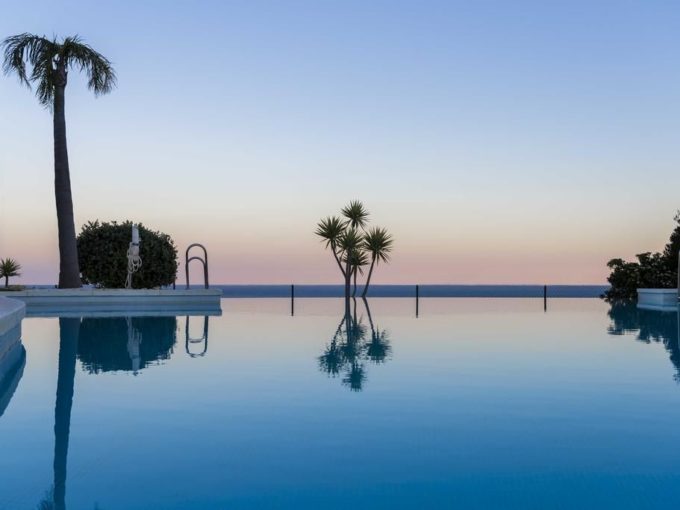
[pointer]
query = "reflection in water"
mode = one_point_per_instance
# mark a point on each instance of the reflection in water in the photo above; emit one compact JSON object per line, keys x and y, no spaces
{"x":125,"y":343}
{"x":650,"y":326}
{"x":12,"y":362}
{"x":101,"y":344}
{"x":68,"y":345}
{"x":350,"y":347}
{"x":188,"y":340}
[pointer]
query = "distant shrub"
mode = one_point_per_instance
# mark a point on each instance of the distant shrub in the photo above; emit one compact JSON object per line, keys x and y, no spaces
{"x":102,"y":254}
{"x":651,"y":271}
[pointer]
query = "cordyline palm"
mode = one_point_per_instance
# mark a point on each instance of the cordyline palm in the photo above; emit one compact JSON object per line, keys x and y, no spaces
{"x":357,"y":219}
{"x":377,"y":242}
{"x":350,"y":242}
{"x":46,"y":63}
{"x":8,"y":269}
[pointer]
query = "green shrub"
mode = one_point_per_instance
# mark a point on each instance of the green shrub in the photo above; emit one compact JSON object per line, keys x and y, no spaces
{"x":102,"y":253}
{"x":651,"y":271}
{"x":672,"y":249}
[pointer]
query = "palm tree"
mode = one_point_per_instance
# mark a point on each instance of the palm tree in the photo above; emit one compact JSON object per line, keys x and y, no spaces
{"x":50,"y":62}
{"x":352,"y":244}
{"x":378,"y":243}
{"x":8,"y":269}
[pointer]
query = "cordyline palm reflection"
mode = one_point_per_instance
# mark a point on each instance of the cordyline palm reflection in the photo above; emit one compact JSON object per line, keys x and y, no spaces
{"x":353,"y":344}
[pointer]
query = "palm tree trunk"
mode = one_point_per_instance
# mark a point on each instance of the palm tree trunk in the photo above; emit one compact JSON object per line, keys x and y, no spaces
{"x":6,"y":281}
{"x":368,"y":278}
{"x":337,"y":259}
{"x":354,"y":291}
{"x":69,"y":272}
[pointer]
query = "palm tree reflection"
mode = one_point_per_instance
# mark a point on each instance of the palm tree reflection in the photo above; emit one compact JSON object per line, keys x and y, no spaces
{"x":69,"y":330}
{"x":350,"y":348}
{"x":650,"y":326}
{"x":101,"y":344}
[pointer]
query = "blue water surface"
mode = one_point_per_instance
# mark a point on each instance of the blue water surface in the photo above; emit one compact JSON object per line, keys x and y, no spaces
{"x":474,"y":403}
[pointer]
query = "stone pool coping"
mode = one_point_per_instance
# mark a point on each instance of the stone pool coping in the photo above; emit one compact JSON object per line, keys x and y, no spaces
{"x":11,"y":313}
{"x":658,"y":299}
{"x":53,"y":302}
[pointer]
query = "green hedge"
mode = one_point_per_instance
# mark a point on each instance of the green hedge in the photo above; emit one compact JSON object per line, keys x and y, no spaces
{"x":102,"y":254}
{"x":651,"y":270}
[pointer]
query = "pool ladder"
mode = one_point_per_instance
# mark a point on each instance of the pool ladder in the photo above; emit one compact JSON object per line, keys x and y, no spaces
{"x":203,"y":260}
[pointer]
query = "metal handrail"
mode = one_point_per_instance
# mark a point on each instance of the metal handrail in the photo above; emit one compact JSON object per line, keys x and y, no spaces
{"x":203,"y":260}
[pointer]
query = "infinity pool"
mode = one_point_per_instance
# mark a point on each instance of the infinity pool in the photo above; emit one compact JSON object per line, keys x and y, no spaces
{"x":475,"y":403}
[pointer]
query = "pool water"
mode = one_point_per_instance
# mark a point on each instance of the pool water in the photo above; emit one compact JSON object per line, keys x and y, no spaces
{"x":475,"y":403}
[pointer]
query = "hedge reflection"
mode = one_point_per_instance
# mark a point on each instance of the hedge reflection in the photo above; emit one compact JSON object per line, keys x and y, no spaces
{"x":650,"y":326}
{"x":125,"y":343}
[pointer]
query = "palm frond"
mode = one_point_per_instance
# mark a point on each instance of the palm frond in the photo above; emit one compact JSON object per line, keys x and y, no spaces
{"x":81,"y":56}
{"x":39,"y":53}
{"x":357,"y":260}
{"x":379,"y":243}
{"x":330,"y":229}
{"x":350,"y":240}
{"x":356,"y":213}
{"x":9,"y":268}
{"x":44,"y":57}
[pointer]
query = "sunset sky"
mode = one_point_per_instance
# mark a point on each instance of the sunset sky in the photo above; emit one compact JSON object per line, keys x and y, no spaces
{"x":500,"y":142}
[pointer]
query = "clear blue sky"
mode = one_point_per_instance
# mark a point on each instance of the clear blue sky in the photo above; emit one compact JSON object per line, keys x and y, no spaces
{"x":521,"y":142}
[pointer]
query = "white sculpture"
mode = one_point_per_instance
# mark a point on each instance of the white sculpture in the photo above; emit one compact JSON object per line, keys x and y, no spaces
{"x":134,"y":260}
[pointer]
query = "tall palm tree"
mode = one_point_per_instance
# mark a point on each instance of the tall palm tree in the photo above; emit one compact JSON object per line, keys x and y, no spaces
{"x":50,"y":62}
{"x":378,"y":243}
